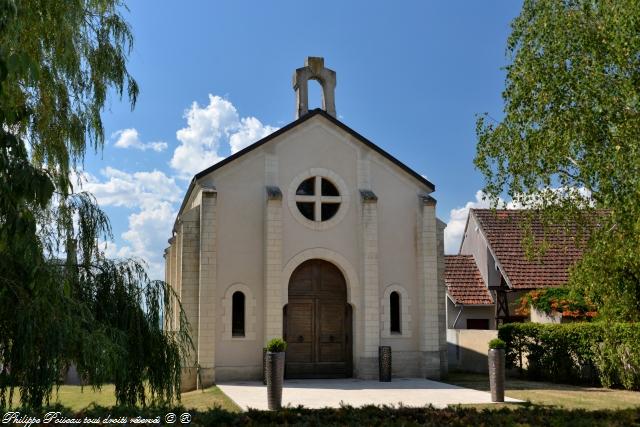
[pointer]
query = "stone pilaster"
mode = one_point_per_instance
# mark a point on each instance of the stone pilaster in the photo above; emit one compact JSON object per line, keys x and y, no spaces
{"x":169,"y":278}
{"x":442,"y":301}
{"x":189,"y":275}
{"x":273,"y":264}
{"x":167,"y":318}
{"x":429,"y":295}
{"x":368,"y":363}
{"x":207,"y":289}
{"x":177,"y":270}
{"x":173,"y":281}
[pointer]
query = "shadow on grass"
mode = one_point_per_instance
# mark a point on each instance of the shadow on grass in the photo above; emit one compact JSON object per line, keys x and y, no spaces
{"x":481,"y":382}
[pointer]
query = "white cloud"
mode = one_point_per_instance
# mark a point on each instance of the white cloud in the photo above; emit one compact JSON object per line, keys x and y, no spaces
{"x":147,"y":236}
{"x":457,"y":221}
{"x":129,"y":138}
{"x":249,"y":131}
{"x":138,"y":189}
{"x":209,"y":129}
{"x":153,"y":195}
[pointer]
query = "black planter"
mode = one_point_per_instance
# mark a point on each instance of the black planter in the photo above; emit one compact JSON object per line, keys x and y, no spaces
{"x":496,"y":374}
{"x":275,"y":379}
{"x":264,"y":366}
{"x":384,"y":363}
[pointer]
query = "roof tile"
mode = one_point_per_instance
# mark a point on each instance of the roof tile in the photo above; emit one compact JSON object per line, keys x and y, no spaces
{"x":464,"y":282}
{"x":505,"y":233}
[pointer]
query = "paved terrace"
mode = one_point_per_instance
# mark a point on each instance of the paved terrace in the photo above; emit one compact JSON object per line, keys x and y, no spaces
{"x":354,"y":392}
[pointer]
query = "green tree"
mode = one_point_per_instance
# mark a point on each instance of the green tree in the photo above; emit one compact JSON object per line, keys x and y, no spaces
{"x":61,"y":301}
{"x":572,"y":122}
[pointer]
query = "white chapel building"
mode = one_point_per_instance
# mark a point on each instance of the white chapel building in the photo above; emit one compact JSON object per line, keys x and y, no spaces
{"x":317,"y":235}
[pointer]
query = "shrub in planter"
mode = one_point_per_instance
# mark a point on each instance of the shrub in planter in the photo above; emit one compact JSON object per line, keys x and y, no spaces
{"x":275,"y":372}
{"x":497,"y":343}
{"x":276,"y":345}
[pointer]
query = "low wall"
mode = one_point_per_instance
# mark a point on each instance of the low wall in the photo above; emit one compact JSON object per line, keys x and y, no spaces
{"x":468,"y":348}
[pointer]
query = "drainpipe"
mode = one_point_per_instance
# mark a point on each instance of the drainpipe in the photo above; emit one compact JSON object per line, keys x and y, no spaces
{"x":457,"y":317}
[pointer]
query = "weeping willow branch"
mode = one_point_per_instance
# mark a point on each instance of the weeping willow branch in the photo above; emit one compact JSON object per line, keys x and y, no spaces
{"x":61,"y":301}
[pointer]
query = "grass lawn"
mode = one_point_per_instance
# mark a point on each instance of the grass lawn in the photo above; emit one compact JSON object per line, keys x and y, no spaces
{"x":547,"y":394}
{"x":76,"y":398}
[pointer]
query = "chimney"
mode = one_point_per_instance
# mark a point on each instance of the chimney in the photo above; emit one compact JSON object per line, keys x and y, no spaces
{"x":314,"y":70}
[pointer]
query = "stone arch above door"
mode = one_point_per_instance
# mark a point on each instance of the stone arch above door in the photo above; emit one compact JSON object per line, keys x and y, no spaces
{"x":349,"y":273}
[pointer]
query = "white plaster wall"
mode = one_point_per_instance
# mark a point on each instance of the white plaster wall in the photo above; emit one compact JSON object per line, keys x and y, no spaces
{"x":241,"y":204}
{"x":398,"y":206}
{"x":474,"y":243}
{"x":468,"y":349}
{"x":538,"y":316}
{"x":469,"y":312}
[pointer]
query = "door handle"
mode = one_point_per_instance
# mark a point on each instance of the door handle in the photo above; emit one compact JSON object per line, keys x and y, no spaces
{"x":300,"y":338}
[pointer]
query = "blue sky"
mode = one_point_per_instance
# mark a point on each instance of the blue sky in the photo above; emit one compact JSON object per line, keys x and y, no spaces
{"x":411,"y":77}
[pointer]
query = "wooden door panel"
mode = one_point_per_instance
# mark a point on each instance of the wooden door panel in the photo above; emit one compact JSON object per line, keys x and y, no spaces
{"x":331,"y":321}
{"x":300,"y":321}
{"x":316,"y":317}
{"x":300,"y":355}
{"x":331,"y":332}
{"x":331,"y":352}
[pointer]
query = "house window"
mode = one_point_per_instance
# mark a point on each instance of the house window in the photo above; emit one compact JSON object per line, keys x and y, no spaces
{"x":477,"y":323}
{"x":394,"y":312}
{"x":317,"y":199}
{"x":237,"y":317}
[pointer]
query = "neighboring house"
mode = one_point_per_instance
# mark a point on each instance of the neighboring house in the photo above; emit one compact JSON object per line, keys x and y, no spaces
{"x":316,"y":235}
{"x":492,"y":271}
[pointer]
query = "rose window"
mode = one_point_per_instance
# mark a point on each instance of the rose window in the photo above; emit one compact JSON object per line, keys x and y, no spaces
{"x":317,"y":199}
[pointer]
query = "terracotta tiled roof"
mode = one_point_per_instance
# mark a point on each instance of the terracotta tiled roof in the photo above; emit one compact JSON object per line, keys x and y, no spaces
{"x":504,"y":232}
{"x":464,"y":282}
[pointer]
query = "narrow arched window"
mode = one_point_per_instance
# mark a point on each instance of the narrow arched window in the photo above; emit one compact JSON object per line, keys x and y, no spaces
{"x":394,"y":305}
{"x":237,"y":317}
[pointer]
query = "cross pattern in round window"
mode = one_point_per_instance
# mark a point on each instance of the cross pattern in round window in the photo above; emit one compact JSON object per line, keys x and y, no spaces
{"x":318,"y":199}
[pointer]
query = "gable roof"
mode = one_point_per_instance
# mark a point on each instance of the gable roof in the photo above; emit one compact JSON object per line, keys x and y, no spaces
{"x":464,"y":282}
{"x":292,"y":125}
{"x":336,"y":122}
{"x":503,"y":229}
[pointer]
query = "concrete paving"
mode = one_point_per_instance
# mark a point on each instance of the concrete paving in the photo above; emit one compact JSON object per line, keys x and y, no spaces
{"x":354,"y":392}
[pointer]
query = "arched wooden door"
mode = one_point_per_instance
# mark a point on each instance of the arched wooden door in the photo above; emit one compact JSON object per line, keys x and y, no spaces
{"x":317,"y":323}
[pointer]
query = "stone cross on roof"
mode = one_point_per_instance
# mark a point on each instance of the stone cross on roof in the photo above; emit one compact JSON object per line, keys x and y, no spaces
{"x":314,"y":69}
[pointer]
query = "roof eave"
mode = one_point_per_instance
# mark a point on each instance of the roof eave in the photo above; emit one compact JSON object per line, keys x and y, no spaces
{"x":286,"y":128}
{"x":493,"y":253}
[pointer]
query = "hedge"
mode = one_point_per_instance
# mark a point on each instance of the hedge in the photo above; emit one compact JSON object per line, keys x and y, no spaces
{"x":595,"y":353}
{"x":366,"y":416}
